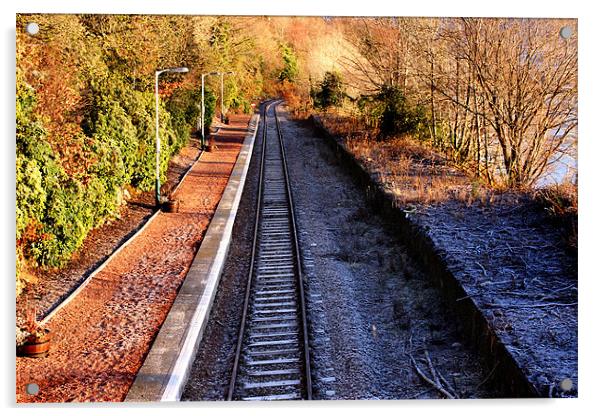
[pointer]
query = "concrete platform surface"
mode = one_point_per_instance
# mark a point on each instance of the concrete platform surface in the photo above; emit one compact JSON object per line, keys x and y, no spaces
{"x":165,"y":370}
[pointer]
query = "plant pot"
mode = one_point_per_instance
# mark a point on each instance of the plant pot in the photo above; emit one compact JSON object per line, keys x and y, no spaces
{"x":35,"y":346}
{"x":210,"y":145}
{"x":171,"y":205}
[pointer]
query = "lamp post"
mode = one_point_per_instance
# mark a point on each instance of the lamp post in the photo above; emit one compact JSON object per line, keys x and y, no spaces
{"x":203,"y":106}
{"x":221,"y":108}
{"x":158,"y":72}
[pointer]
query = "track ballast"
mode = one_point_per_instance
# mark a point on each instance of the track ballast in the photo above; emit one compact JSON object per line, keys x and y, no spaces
{"x":272,"y":354}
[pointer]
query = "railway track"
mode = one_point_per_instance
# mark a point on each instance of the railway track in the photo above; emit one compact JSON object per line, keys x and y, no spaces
{"x":272,"y":353}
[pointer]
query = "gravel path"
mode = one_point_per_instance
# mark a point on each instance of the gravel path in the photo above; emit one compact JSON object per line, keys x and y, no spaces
{"x":101,"y":337}
{"x":369,"y":305}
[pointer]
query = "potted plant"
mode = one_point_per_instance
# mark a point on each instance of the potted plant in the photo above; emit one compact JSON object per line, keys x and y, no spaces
{"x":211,"y":145}
{"x":170,"y":204}
{"x":33,"y":338}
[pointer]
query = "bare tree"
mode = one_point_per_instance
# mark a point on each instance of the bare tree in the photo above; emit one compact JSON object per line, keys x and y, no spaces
{"x":525,"y":76}
{"x":381,"y":55}
{"x":501,"y":93}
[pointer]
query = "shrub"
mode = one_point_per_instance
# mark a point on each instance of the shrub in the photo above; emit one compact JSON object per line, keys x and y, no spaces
{"x":331,"y":91}
{"x":184,"y":108}
{"x":36,"y":166}
{"x":398,"y":116}
{"x":210,"y":104}
{"x":240,"y":103}
{"x":560,"y":202}
{"x":121,"y":122}
{"x":57,"y":206}
{"x":31,"y":195}
{"x":114,"y":143}
{"x":290,"y":71}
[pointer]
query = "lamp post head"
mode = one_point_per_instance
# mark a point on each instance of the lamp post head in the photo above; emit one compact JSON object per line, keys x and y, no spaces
{"x":180,"y":69}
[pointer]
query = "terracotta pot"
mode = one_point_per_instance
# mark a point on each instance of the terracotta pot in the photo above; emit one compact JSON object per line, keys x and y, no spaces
{"x":35,"y":346}
{"x":210,"y":146}
{"x":172,"y":205}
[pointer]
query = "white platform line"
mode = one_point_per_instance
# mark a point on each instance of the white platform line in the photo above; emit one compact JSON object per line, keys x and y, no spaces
{"x":181,"y":368}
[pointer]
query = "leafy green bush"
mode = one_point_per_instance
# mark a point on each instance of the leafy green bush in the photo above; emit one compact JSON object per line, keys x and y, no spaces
{"x":31,"y":195}
{"x":238,"y":101}
{"x":114,"y":144}
{"x":390,"y":111}
{"x":124,"y":119}
{"x":290,"y":71}
{"x":36,"y":167}
{"x":331,"y":91}
{"x":398,"y":116}
{"x":56,"y":209}
{"x":184,"y":108}
{"x":210,"y":104}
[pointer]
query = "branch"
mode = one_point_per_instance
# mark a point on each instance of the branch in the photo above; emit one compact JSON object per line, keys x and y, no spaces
{"x":435,"y":384}
{"x":536,"y":305}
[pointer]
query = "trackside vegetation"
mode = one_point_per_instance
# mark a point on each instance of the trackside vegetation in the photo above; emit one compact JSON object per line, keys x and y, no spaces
{"x":496,"y":97}
{"x":85,"y":136}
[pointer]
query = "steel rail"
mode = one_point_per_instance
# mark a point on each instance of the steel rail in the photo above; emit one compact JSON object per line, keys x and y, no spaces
{"x":307,"y":362}
{"x":241,"y":330}
{"x":274,"y":265}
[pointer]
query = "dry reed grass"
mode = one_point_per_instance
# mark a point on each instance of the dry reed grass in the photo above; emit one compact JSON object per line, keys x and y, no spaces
{"x":560,"y":202}
{"x":413,"y":173}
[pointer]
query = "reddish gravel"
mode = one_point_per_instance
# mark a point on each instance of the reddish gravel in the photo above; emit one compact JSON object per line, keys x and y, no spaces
{"x":100,"y":339}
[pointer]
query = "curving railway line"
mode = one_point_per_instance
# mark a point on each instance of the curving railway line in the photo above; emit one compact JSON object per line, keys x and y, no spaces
{"x":272,"y":354}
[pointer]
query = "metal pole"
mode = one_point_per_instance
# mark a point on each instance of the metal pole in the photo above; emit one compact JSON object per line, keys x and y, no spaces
{"x":181,"y":70}
{"x":221,"y":108}
{"x":157,"y":141}
{"x":203,"y":111}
